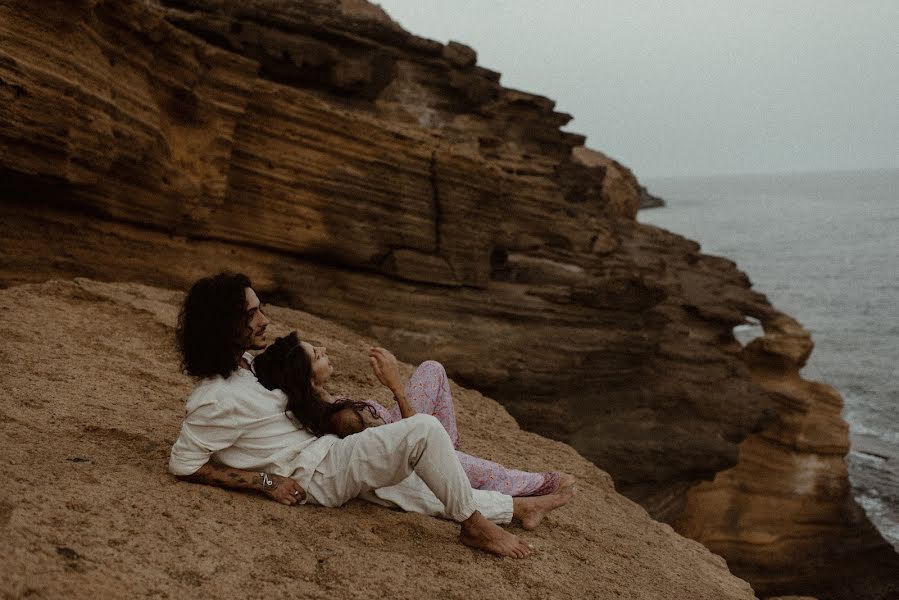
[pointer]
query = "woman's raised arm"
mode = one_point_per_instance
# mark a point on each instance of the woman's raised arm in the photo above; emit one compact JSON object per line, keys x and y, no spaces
{"x":384,"y":365}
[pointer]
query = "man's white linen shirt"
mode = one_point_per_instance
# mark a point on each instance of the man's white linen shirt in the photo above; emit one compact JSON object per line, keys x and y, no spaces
{"x":241,"y":424}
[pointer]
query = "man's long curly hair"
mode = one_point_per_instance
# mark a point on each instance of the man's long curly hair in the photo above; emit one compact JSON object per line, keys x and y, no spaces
{"x":212,"y":326}
{"x":285,"y":366}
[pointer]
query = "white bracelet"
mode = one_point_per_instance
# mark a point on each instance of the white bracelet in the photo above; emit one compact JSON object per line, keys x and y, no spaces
{"x":266,"y":480}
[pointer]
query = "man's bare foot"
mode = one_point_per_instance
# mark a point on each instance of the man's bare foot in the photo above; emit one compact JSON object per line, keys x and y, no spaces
{"x":480,"y":533}
{"x":531,"y":510}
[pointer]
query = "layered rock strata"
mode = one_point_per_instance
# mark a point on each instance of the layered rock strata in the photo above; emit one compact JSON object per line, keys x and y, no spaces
{"x":390,"y":183}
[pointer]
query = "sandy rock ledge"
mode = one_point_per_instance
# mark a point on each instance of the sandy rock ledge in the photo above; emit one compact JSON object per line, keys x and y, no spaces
{"x":93,"y":400}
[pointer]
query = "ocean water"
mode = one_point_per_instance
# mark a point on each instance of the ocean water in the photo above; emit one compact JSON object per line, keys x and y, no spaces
{"x":824,"y":248}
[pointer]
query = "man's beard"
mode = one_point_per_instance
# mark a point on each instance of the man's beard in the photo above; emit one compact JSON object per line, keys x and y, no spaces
{"x":253,"y":343}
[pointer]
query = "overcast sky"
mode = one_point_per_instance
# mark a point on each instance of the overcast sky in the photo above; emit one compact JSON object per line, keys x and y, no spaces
{"x":696,"y":87}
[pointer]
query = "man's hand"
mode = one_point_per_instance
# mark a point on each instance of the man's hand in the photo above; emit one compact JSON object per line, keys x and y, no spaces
{"x":281,"y":489}
{"x":284,"y":490}
{"x":384,"y":364}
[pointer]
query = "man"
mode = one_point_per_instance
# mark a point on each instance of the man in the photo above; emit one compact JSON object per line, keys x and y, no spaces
{"x":236,"y":434}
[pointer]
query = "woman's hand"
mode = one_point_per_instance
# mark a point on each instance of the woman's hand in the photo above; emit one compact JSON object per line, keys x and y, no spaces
{"x":284,"y":490}
{"x":384,"y":364}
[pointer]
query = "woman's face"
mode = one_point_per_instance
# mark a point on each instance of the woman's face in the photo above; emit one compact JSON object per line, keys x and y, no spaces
{"x":321,"y":364}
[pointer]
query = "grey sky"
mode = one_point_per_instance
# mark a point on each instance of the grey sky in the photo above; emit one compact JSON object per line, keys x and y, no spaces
{"x":698,"y":86}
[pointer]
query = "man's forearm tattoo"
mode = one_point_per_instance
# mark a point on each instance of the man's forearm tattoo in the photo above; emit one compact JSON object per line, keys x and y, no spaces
{"x":222,"y":476}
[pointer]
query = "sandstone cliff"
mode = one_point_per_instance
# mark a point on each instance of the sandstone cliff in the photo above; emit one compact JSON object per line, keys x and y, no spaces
{"x":390,"y":183}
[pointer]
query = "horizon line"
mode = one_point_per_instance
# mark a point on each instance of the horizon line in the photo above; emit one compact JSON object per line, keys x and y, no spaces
{"x":812,"y":171}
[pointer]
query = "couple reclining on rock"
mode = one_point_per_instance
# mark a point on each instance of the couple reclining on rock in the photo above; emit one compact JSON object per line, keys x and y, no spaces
{"x":268,"y":424}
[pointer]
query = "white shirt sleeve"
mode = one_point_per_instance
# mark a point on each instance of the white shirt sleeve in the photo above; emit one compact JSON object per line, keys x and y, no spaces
{"x":208,"y":427}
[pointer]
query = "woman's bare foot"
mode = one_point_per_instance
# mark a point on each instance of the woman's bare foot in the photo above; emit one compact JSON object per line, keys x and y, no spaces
{"x":480,"y":533}
{"x":565,"y":481}
{"x":531,"y":510}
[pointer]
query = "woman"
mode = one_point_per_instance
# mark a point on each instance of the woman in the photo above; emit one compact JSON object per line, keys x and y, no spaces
{"x":300,"y":370}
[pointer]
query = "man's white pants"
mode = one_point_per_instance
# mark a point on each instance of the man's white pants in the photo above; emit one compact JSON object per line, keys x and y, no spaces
{"x":410,"y":464}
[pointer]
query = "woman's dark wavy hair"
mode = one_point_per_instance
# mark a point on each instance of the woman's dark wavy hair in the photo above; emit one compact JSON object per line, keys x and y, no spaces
{"x":212,"y":325}
{"x":285,"y":366}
